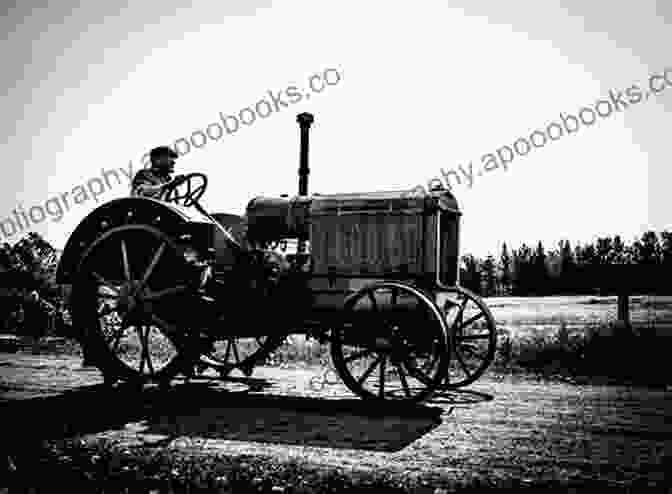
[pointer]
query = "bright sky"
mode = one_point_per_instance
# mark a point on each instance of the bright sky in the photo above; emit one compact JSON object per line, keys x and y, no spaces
{"x":425,"y":85}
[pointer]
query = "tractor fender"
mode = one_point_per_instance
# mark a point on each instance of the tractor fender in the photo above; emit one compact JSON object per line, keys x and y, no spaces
{"x":168,"y":218}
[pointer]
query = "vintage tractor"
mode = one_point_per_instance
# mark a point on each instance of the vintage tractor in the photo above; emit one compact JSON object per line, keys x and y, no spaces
{"x":162,"y":287}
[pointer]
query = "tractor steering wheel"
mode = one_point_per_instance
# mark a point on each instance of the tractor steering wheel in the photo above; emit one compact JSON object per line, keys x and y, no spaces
{"x":190,"y":196}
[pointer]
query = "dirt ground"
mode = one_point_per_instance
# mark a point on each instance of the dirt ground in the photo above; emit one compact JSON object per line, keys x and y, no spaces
{"x":501,"y":428}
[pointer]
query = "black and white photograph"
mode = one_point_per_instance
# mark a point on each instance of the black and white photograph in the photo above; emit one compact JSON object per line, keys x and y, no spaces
{"x":288,"y":247}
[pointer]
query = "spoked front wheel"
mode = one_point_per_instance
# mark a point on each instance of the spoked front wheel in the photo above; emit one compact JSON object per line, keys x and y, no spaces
{"x":393,"y":344}
{"x":239,"y":353}
{"x":473,"y":333}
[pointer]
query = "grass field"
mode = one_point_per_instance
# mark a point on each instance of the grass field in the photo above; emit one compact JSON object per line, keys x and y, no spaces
{"x":523,"y":315}
{"x":548,"y":335}
{"x":560,"y":336}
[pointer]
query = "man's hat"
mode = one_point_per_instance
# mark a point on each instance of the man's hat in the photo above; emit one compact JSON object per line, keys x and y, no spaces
{"x":162,"y":151}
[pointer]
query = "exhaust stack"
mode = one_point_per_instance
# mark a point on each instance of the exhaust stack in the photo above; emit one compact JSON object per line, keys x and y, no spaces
{"x":305,"y":120}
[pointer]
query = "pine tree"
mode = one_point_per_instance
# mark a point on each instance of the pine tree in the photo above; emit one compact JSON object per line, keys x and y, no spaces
{"x":648,"y":250}
{"x":524,"y":270}
{"x":567,"y":269}
{"x":604,"y":249}
{"x":648,"y":256}
{"x":471,"y":274}
{"x":666,"y":255}
{"x":489,"y":276}
{"x":515,"y":272}
{"x":540,"y":272}
{"x":506,"y":277}
{"x":618,"y":252}
{"x":665,"y":246}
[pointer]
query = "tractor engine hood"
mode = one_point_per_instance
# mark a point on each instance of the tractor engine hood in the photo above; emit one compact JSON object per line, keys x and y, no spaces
{"x":273,"y":218}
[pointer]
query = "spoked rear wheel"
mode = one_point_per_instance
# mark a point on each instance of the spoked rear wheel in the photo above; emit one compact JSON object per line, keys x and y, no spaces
{"x":131,"y":286}
{"x":393,"y":345}
{"x":473,"y":334}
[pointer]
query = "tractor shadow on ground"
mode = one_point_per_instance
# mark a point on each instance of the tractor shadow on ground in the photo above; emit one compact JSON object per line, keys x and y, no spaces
{"x":204,"y":410}
{"x":447,"y":396}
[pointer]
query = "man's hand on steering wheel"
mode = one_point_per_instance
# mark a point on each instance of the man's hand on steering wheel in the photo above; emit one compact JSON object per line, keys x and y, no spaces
{"x":191,"y":194}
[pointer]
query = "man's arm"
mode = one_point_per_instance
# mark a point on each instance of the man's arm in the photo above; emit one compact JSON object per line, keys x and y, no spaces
{"x":144,"y":184}
{"x":148,"y":190}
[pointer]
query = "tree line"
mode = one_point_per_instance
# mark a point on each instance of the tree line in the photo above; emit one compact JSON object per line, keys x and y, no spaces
{"x":29,"y":294}
{"x":29,"y":264}
{"x":607,"y":266}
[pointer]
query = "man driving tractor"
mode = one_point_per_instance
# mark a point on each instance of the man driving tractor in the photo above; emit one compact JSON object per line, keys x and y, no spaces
{"x":152,"y":181}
